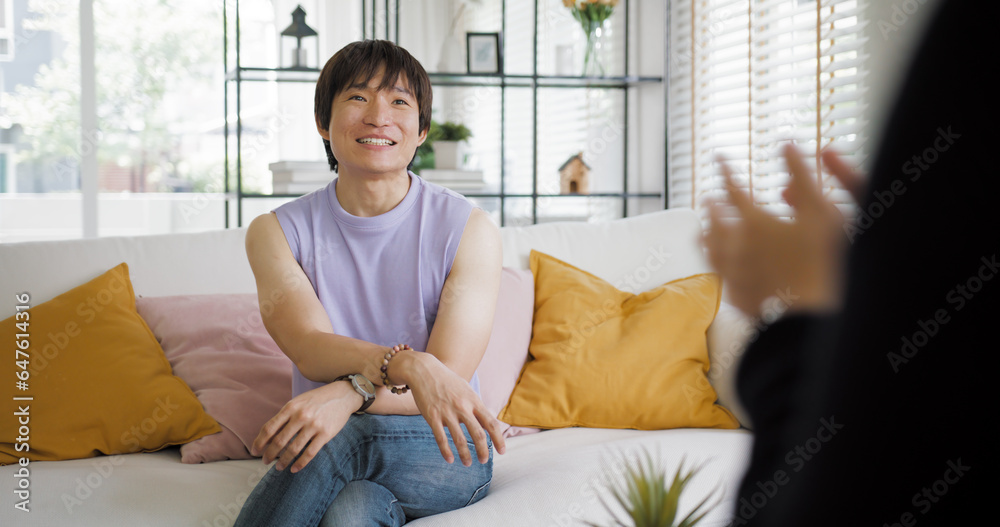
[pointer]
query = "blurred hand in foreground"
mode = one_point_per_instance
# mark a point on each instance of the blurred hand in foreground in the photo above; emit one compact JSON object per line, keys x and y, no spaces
{"x":759,"y":255}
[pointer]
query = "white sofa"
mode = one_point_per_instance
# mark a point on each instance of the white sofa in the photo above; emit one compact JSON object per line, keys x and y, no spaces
{"x":549,"y":478}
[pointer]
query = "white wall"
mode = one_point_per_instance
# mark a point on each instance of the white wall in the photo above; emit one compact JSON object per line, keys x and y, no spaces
{"x":895,"y":28}
{"x":647,"y":110}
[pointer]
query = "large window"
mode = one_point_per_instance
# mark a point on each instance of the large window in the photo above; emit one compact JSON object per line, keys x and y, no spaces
{"x":154,"y":68}
{"x":3,"y":171}
{"x":39,"y":129}
{"x":6,"y":30}
{"x":747,"y":76}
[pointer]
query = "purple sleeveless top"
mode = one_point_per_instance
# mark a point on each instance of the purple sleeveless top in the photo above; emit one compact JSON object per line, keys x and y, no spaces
{"x":379,"y":278}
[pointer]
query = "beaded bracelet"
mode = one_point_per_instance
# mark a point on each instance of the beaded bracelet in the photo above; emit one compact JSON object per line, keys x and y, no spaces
{"x":385,"y":367}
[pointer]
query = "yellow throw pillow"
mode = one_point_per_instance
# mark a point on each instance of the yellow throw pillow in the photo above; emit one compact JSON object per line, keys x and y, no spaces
{"x":97,"y":379}
{"x":604,"y":358}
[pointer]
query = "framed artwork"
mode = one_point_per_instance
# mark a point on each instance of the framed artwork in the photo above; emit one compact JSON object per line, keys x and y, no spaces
{"x":484,"y":53}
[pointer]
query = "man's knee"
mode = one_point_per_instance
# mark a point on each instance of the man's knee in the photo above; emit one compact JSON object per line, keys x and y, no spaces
{"x":363,"y":504}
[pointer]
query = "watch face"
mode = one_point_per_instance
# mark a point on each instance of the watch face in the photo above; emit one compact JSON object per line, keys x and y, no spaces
{"x":362,"y":383}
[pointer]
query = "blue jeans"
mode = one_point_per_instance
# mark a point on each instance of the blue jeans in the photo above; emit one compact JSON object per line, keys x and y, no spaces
{"x":379,"y":470}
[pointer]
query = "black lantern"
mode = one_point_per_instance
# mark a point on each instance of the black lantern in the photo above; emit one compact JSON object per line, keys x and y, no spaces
{"x":299,"y":30}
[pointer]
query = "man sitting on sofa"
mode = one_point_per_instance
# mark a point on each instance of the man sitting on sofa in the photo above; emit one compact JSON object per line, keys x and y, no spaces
{"x":377,"y":257}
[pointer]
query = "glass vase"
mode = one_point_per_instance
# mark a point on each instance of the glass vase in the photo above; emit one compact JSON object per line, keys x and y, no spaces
{"x":593,"y":56}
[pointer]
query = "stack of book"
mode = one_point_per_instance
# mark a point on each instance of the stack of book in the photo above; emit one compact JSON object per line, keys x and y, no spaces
{"x":299,"y":177}
{"x":457,"y":180}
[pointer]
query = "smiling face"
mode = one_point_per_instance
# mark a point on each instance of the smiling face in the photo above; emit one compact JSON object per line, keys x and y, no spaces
{"x":367,"y":94}
{"x":374,"y":130}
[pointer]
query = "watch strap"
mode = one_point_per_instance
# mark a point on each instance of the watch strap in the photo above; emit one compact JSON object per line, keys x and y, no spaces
{"x":368,"y":399}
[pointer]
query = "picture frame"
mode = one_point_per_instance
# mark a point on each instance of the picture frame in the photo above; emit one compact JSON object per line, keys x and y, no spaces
{"x":484,"y":54}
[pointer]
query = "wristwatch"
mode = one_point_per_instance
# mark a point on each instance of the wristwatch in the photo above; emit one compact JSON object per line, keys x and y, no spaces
{"x":363,"y":386}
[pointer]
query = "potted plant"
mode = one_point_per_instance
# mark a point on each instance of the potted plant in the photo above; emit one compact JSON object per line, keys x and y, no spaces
{"x":648,"y":501}
{"x":445,"y":139}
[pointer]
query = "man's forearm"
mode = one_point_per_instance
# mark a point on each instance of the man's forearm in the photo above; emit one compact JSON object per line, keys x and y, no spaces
{"x":322,"y":357}
{"x":326,"y":356}
{"x":388,"y":403}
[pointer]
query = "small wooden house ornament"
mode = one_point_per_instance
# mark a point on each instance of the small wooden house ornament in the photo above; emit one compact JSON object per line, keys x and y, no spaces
{"x":574,"y":176}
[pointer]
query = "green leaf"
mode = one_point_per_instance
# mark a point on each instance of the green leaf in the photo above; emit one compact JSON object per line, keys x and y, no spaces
{"x":648,"y":500}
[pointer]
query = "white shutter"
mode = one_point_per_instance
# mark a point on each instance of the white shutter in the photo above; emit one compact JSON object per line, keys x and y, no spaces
{"x":747,"y":76}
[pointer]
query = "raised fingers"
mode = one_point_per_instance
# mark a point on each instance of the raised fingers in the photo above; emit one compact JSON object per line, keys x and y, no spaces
{"x":802,"y":190}
{"x":850,"y":179}
{"x":737,"y":197}
{"x":717,"y":237}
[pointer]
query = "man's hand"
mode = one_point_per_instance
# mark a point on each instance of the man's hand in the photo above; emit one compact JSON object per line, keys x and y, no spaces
{"x":446,"y":400}
{"x":305,"y":424}
{"x":758,"y":254}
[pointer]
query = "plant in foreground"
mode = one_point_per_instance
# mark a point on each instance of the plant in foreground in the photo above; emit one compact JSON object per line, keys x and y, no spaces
{"x":647,"y":499}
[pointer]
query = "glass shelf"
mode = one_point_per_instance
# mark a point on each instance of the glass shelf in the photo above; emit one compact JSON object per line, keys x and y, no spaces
{"x":477,"y":194}
{"x":526,"y":197}
{"x":542,"y":81}
{"x":247,"y":74}
{"x":454,"y":79}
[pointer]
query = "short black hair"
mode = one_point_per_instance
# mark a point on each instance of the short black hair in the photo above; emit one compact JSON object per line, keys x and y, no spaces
{"x":357,"y":63}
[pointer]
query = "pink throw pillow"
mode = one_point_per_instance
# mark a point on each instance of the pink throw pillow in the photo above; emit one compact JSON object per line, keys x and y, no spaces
{"x":218,"y":345}
{"x":508,"y":347}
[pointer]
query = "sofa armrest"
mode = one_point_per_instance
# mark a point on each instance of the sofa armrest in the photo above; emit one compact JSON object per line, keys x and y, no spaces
{"x":728,"y":337}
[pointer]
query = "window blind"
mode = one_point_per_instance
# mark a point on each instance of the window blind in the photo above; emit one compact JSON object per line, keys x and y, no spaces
{"x":746,"y":76}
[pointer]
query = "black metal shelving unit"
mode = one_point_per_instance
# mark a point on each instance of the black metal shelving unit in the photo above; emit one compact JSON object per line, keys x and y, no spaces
{"x":534,"y":81}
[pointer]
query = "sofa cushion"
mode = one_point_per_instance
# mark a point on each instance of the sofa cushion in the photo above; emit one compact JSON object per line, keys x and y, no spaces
{"x":508,"y":346}
{"x":634,"y":254}
{"x":219,"y":346}
{"x":190,"y":263}
{"x":98,"y":380}
{"x":604,"y":358}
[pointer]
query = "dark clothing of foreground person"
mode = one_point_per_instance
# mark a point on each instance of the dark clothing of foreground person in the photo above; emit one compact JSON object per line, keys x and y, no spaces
{"x":879,"y":415}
